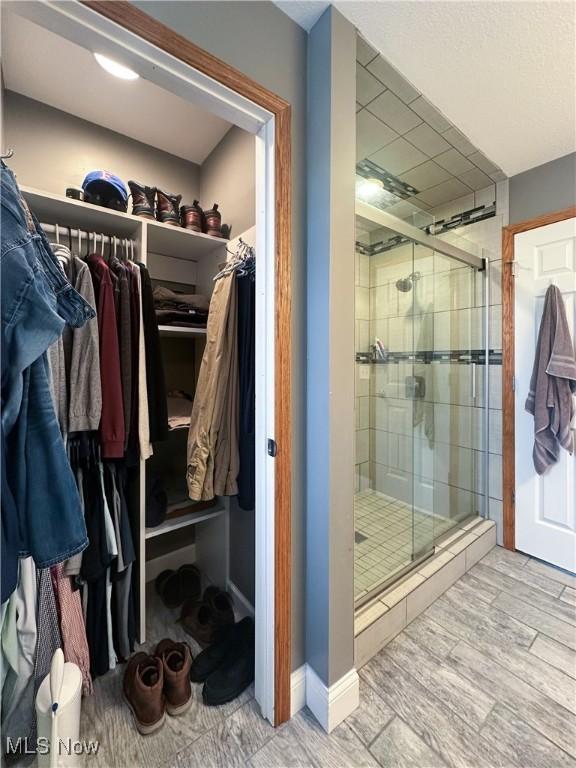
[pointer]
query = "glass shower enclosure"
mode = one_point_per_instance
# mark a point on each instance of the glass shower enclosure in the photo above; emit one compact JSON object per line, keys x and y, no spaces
{"x":421,"y":368}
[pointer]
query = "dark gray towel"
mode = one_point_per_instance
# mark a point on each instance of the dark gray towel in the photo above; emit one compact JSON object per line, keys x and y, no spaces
{"x":552,"y":385}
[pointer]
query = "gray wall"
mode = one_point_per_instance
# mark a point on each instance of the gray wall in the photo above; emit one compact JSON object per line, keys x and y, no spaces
{"x":74,"y":147}
{"x":544,"y":189}
{"x":261,"y":41}
{"x":228,"y":177}
{"x":330,"y":393}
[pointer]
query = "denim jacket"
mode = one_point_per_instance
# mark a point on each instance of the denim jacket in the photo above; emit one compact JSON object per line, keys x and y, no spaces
{"x":36,"y":302}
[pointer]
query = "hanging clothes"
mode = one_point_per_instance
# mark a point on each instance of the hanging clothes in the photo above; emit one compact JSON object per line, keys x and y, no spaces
{"x":72,"y":629}
{"x":83,"y":372}
{"x":143,"y":409}
{"x":19,"y":640}
{"x":37,"y":301}
{"x":213,"y":459}
{"x":246,"y":288}
{"x":157,"y":408}
{"x":112,"y":429}
{"x":124,"y":339}
{"x":133,"y":448}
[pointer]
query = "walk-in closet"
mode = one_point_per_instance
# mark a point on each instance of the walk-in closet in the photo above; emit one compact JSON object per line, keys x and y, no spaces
{"x":148,"y":200}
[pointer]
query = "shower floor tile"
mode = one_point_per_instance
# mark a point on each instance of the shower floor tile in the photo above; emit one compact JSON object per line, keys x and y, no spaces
{"x":388,"y":533}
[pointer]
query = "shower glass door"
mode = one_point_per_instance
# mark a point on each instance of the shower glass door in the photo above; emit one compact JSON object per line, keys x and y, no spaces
{"x":419,"y":405}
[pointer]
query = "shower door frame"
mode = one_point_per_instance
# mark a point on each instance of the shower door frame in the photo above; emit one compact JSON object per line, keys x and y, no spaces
{"x":478,"y":263}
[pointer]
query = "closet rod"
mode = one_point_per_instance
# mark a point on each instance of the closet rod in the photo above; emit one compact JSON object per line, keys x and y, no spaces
{"x":63,"y":234}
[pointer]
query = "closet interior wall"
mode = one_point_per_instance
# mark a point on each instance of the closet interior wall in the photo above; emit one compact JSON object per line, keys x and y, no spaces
{"x":54,"y":150}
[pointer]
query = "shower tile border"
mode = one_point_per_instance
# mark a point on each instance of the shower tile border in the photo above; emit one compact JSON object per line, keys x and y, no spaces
{"x":377,"y":623}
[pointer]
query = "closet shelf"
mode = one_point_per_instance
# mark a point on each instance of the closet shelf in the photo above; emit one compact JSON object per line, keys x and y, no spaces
{"x":179,"y":332}
{"x":164,"y":239}
{"x":182,"y":243}
{"x":174,"y":523}
{"x":58,"y":209}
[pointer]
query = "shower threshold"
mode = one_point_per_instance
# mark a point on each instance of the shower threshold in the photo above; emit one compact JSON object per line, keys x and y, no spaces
{"x":395,"y":606}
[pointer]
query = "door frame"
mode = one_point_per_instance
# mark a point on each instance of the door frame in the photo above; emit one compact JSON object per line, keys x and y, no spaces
{"x":232,"y":95}
{"x":508,"y":365}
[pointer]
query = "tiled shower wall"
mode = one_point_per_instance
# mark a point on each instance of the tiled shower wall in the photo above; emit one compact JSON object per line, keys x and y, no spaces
{"x":487,"y":236}
{"x":427,"y":451}
{"x":448,"y":454}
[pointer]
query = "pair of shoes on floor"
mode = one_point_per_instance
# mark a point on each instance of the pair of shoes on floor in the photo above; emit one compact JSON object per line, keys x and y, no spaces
{"x":175,"y":587}
{"x":205,"y":619}
{"x":227,"y":667}
{"x":159,"y":683}
{"x":151,"y":202}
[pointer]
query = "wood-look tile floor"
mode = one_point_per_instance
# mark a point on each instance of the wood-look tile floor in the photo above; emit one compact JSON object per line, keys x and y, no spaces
{"x":485,"y":678}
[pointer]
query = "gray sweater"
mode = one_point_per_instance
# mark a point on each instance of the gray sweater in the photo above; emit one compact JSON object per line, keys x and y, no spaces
{"x":75,"y":358}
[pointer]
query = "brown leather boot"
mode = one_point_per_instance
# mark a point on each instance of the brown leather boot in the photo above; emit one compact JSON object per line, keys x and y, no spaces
{"x":142,"y":200}
{"x":213,"y":219}
{"x":143,"y":690}
{"x":192,"y":217}
{"x":176,"y":660}
{"x":167,"y":209}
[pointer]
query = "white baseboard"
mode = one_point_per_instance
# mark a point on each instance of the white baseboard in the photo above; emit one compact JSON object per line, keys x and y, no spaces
{"x":298,"y":690}
{"x":243,"y":606}
{"x":330,"y":706}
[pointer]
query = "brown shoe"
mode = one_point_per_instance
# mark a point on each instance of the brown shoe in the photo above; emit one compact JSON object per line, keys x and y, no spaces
{"x":192,"y":217}
{"x":142,"y":686}
{"x":176,"y":661}
{"x":168,"y":208}
{"x":213,"y":219}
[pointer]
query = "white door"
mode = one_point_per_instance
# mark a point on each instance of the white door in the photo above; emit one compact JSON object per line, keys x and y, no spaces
{"x":545,"y":504}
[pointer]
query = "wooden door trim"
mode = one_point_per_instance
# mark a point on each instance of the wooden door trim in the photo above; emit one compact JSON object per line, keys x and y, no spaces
{"x":139,"y":23}
{"x":508,"y":364}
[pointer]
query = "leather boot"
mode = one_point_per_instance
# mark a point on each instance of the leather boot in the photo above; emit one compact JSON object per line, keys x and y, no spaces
{"x":167,"y":209}
{"x":213,"y":220}
{"x":143,"y":691}
{"x":176,"y":660}
{"x":142,"y":200}
{"x":192,"y":217}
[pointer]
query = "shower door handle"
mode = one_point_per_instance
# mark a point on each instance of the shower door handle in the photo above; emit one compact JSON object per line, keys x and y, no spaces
{"x":473,"y":387}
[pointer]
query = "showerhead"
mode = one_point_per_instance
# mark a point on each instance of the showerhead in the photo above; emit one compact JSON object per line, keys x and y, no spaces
{"x":405,"y":284}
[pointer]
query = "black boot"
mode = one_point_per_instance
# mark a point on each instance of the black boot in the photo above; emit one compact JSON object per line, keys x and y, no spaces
{"x":142,"y":200}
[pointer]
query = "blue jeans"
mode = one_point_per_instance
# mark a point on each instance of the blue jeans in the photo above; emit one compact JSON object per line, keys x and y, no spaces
{"x":37,"y":301}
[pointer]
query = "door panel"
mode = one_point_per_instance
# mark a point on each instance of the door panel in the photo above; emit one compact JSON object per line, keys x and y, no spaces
{"x":546,"y":504}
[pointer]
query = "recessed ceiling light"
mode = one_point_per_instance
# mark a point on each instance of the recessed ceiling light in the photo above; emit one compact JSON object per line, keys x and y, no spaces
{"x":113,"y":68}
{"x":369,"y":189}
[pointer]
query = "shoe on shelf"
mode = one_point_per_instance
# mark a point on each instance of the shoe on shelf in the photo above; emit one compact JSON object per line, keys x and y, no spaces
{"x":174,"y":587}
{"x":143,"y":691}
{"x":176,"y":662}
{"x":168,"y":208}
{"x":213,"y":219}
{"x":236,"y":673}
{"x":142,"y":200}
{"x":221,"y":604}
{"x":215,"y":655}
{"x":192,"y":217}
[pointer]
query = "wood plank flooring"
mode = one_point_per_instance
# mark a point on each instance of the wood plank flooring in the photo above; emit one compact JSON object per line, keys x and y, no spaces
{"x":484,"y":678}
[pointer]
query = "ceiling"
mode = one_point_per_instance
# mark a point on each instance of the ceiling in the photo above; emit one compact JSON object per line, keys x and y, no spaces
{"x":66,"y":76}
{"x":503,"y":72}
